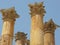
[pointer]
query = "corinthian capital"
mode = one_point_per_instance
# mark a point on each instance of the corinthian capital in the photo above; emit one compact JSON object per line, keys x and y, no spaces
{"x":9,"y":13}
{"x":37,"y":8}
{"x":50,"y":26}
{"x":20,"y":36}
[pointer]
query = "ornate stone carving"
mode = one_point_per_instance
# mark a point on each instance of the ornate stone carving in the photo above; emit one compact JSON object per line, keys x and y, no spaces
{"x":9,"y":13}
{"x":50,"y":26}
{"x":37,"y":8}
{"x":20,"y":36}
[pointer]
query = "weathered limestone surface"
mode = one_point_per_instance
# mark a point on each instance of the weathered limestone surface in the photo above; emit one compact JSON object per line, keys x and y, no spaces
{"x":9,"y":17}
{"x":20,"y":38}
{"x":49,"y":29}
{"x":37,"y":13}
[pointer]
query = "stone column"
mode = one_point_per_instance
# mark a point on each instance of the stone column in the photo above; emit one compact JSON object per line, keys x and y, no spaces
{"x":9,"y":17}
{"x":0,"y":40}
{"x":20,"y":38}
{"x":28,"y":42}
{"x":36,"y":34}
{"x":49,"y":29}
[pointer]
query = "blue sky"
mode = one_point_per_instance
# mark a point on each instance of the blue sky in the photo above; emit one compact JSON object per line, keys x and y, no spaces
{"x":23,"y":23}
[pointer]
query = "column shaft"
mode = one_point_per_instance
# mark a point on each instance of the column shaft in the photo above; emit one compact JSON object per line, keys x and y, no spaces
{"x":8,"y":28}
{"x":19,"y":42}
{"x":49,"y":39}
{"x":36,"y":36}
{"x":7,"y":32}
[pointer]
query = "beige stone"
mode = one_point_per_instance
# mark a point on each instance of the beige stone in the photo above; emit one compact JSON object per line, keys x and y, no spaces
{"x":19,"y":42}
{"x":20,"y":38}
{"x":49,"y":29}
{"x":49,"y":39}
{"x":9,"y":17}
{"x":0,"y":40}
{"x":37,"y":34}
{"x":28,"y":42}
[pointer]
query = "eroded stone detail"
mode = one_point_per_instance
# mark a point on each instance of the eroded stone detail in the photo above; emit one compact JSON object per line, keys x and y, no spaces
{"x":20,"y":37}
{"x":37,"y":8}
{"x":49,"y":29}
{"x":9,"y":14}
{"x":49,"y":26}
{"x":6,"y":40}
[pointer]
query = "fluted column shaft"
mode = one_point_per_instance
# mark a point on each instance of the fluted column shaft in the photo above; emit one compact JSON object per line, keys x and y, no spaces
{"x":7,"y":32}
{"x":36,"y":36}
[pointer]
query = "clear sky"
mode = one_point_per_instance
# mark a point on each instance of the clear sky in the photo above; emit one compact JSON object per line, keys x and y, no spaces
{"x":23,"y":23}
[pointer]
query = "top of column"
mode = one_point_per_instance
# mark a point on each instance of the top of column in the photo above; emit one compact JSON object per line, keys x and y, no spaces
{"x":9,"y":14}
{"x":37,"y":8}
{"x":50,"y":26}
{"x":20,"y":36}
